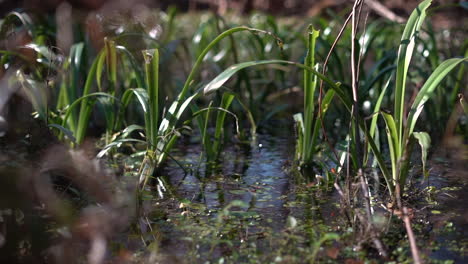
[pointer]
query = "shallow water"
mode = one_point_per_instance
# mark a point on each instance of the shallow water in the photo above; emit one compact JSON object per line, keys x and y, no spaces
{"x":448,"y":215}
{"x":277,"y":201}
{"x":252,"y":208}
{"x":254,"y":175}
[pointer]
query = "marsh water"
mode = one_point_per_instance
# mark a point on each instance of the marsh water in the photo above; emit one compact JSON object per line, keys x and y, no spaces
{"x":253,"y":208}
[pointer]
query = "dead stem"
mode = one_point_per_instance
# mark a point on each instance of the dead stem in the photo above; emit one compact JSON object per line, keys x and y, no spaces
{"x":369,"y":229}
{"x":412,"y":240}
{"x":384,"y":11}
{"x":324,"y":70}
{"x":406,"y":219}
{"x":355,"y":78}
{"x":375,"y":239}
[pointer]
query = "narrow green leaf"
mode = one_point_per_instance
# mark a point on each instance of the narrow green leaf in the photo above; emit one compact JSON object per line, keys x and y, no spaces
{"x":142,"y":97}
{"x":206,"y":137}
{"x":223,"y":77}
{"x":394,"y":144}
{"x":172,"y":116}
{"x":100,"y":70}
{"x":221,"y":116}
{"x":152,"y":85}
{"x":168,"y":124}
{"x":424,"y":141}
{"x":116,"y":143}
{"x":134,"y":65}
{"x":253,"y":125}
{"x":405,"y":52}
{"x":67,"y":132}
{"x":427,"y":90}
{"x":327,"y":99}
{"x":378,"y":104}
{"x":44,"y":52}
{"x":203,"y":54}
{"x":84,"y":112}
{"x":111,"y":62}
{"x":36,"y":92}
{"x":106,"y":105}
{"x":299,"y":126}
{"x":310,"y":83}
{"x":379,"y":158}
{"x":10,"y":19}
{"x":131,"y":128}
{"x":85,"y":109}
{"x":70,"y":89}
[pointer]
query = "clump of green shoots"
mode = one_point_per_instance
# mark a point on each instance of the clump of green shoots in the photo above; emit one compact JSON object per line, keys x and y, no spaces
{"x":308,"y":122}
{"x":400,"y":128}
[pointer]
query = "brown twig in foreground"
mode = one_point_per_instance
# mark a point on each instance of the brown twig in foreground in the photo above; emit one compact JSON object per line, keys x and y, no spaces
{"x":406,"y":219}
{"x":356,"y":15}
{"x":324,"y":70}
{"x":365,"y":192}
{"x":367,"y":222}
{"x":412,"y":240}
{"x":384,"y":11}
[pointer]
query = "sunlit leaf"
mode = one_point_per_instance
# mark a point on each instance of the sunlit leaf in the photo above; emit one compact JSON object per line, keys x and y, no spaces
{"x":424,"y":141}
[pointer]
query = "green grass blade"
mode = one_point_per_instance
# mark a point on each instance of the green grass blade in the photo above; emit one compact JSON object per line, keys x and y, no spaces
{"x":223,"y":77}
{"x":405,"y":52}
{"x":111,"y":64}
{"x":428,"y":89}
{"x":220,"y":117}
{"x":130,"y":129}
{"x":100,"y":70}
{"x":36,"y":92}
{"x":327,"y":99}
{"x":142,"y":97}
{"x":299,"y":126}
{"x":134,"y":65}
{"x":378,"y":103}
{"x":106,"y":105}
{"x":150,"y":162}
{"x":171,"y":13}
{"x":10,"y":20}
{"x":116,"y":143}
{"x":202,"y":55}
{"x":205,"y":135}
{"x":393,"y":143}
{"x":152,"y":84}
{"x":208,"y":48}
{"x":86,"y":106}
{"x":70,"y":89}
{"x":45,"y":55}
{"x":168,"y":124}
{"x":424,"y":141}
{"x":380,"y":160}
{"x":84,"y":113}
{"x":459,"y":78}
{"x":310,"y":83}
{"x":67,"y":132}
{"x":253,"y":125}
{"x":173,"y":115}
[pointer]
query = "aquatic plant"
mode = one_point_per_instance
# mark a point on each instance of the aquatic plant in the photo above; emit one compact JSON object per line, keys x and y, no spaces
{"x":400,"y":128}
{"x":308,"y":123}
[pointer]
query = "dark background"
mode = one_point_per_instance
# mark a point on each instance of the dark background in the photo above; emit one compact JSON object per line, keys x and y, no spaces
{"x":279,"y":7}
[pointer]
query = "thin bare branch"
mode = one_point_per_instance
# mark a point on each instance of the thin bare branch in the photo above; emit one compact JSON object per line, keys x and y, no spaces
{"x":384,"y":11}
{"x":412,"y":240}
